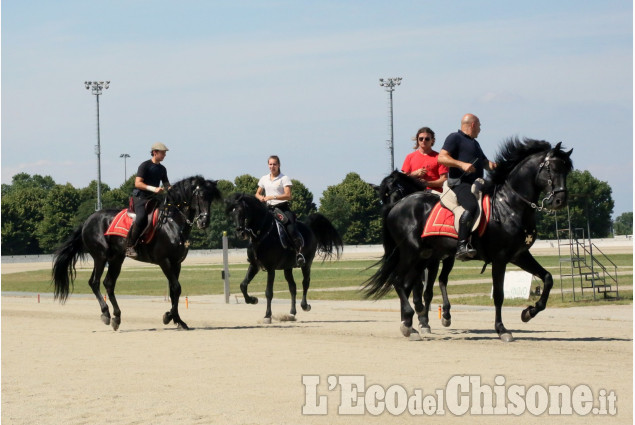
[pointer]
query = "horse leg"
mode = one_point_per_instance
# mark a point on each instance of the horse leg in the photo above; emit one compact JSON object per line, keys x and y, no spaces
{"x":94,"y":282}
{"x":252,"y":271}
{"x":448,"y":263}
{"x":498,"y":279}
{"x":288,"y":275}
{"x":411,"y":279}
{"x":528,"y":263}
{"x":114,"y":268}
{"x":306,"y":282}
{"x":172,"y":272}
{"x":417,"y":294}
{"x":431,"y":275}
{"x":271,"y":275}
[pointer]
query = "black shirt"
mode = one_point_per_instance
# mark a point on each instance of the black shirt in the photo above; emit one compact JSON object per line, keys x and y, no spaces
{"x":152,"y":174}
{"x":463,"y":148}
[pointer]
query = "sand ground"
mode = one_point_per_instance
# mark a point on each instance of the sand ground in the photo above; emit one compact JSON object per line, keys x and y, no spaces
{"x":62,"y":365}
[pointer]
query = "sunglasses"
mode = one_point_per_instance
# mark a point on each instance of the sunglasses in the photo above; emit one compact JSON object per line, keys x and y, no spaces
{"x":427,"y":139}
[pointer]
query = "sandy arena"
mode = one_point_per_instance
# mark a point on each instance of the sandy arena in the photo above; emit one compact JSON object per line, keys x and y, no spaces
{"x":62,"y":365}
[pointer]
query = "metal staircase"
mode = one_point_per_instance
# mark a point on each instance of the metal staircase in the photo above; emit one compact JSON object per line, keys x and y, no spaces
{"x":585,"y":264}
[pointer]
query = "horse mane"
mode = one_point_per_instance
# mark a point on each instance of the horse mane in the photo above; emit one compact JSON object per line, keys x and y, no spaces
{"x":399,"y":177}
{"x":182,"y":190}
{"x":513,"y":151}
{"x":251,"y":201}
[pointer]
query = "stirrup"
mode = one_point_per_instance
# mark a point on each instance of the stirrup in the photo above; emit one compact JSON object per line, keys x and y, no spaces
{"x":299,"y":259}
{"x":131,"y":252}
{"x":465,"y":252}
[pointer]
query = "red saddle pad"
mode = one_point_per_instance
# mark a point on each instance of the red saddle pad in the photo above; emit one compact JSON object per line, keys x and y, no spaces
{"x":441,"y":221}
{"x":120,"y":226}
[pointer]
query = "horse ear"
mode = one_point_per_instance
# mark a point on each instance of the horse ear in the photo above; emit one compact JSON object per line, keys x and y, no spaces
{"x":557,"y":148}
{"x":569,"y":153}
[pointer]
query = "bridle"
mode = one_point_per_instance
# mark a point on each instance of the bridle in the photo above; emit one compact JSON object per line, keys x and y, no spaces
{"x":546,"y":165}
{"x":186,"y":205}
{"x":254,"y":235}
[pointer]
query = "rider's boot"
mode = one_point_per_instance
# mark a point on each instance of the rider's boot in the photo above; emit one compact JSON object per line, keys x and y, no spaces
{"x":299,"y":258}
{"x":133,"y":238}
{"x":464,"y":251}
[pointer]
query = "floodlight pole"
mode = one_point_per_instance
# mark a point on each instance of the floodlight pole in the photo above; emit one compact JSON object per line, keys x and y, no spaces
{"x":97,"y":87}
{"x":389,"y":84}
{"x":125,"y":172}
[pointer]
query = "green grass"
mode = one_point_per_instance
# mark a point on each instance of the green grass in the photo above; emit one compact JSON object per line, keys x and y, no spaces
{"x":326,"y":280}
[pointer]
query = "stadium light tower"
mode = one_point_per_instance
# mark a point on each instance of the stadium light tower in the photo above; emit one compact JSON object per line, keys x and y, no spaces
{"x":97,"y":87}
{"x":125,"y":172}
{"x":389,"y":84}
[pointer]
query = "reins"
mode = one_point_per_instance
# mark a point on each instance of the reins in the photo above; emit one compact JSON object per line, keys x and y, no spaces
{"x":180,"y":206}
{"x":550,"y":194}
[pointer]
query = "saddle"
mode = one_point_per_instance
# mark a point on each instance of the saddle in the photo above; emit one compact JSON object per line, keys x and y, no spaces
{"x":444,"y":217}
{"x":281,"y":221}
{"x":123,"y":221}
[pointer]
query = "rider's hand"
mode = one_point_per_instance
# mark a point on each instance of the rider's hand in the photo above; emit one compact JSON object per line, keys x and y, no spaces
{"x":467,"y":167}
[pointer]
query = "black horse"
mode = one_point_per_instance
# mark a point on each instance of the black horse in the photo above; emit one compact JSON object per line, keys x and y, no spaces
{"x":254,"y":222}
{"x":187,"y":202}
{"x":525,"y":170}
{"x":393,"y":188}
{"x":398,"y":185}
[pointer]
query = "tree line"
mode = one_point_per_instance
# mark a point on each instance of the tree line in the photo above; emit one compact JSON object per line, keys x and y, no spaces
{"x":38,"y":213}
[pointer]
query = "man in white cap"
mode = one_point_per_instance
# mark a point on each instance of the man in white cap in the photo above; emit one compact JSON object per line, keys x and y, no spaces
{"x":150,"y":175}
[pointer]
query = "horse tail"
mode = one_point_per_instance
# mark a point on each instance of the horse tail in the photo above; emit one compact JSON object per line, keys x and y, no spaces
{"x":64,"y":260}
{"x":381,"y":282}
{"x":329,"y":242}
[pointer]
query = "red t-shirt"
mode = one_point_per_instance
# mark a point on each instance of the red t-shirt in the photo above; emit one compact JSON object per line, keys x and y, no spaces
{"x":416,"y":160}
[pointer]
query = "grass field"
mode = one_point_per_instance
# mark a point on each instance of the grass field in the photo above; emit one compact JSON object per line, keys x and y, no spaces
{"x":329,"y":281}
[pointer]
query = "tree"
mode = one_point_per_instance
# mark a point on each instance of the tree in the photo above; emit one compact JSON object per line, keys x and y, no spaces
{"x":302,"y":204}
{"x":623,"y":224}
{"x":246,"y":184}
{"x":589,"y":199}
{"x":59,"y":211}
{"x":22,"y":210}
{"x":354,"y":209}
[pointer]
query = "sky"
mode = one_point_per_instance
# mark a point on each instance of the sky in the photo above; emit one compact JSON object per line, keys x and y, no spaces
{"x":225,"y":84}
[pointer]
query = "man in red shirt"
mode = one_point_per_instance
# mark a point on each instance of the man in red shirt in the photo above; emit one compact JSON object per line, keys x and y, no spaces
{"x":423,"y":164}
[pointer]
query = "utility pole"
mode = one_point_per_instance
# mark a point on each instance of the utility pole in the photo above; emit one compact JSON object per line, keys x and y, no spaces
{"x":389,"y":84}
{"x":97,"y":87}
{"x":125,"y":172}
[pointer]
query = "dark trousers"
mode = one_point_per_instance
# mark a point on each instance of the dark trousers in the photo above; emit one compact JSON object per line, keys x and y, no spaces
{"x":141,"y":220}
{"x":468,"y":201}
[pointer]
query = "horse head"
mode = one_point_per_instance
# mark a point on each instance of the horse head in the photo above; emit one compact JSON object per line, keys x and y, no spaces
{"x":552,"y":176}
{"x":532,"y":167}
{"x":240,"y":208}
{"x":192,"y":198}
{"x":398,"y":185}
{"x":204,"y":193}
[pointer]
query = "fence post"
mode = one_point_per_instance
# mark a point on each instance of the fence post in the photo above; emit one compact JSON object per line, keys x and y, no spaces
{"x":226,"y":266}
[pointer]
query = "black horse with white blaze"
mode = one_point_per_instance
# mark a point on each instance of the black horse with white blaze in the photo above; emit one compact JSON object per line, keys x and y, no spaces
{"x":526,"y":169}
{"x":186,"y":203}
{"x":254,"y":222}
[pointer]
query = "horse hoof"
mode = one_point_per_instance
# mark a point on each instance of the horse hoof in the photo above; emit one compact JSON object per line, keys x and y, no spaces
{"x":525,"y":316}
{"x":183,"y":326}
{"x":415,"y":336}
{"x":446,"y":322}
{"x":425,"y":329}
{"x":106,"y":319}
{"x":507,"y":337}
{"x":252,"y":300}
{"x":167,"y":317}
{"x":115,"y":322}
{"x":266,"y":320}
{"x":306,"y":307}
{"x":405,"y":330}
